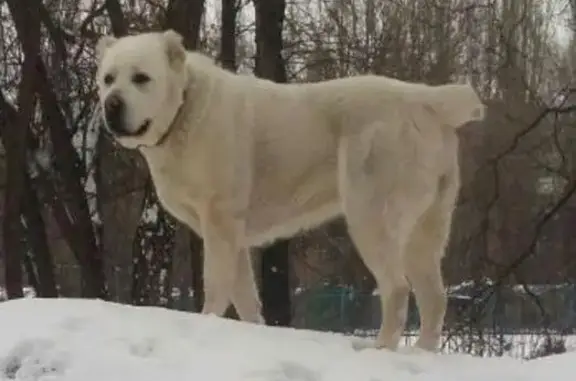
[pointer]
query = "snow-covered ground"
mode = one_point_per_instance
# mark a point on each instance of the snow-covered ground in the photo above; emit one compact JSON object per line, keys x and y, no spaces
{"x":73,"y":340}
{"x":514,"y":345}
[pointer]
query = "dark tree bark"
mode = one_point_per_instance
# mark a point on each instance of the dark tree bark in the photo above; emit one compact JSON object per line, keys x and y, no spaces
{"x":38,"y":259}
{"x":154,"y":243}
{"x":196,"y":248}
{"x":228,"y":34}
{"x":153,"y":254}
{"x":15,"y":142}
{"x":69,"y":201}
{"x":41,"y":266}
{"x":185,"y":16}
{"x":228,"y":16}
{"x":117,"y":19}
{"x":70,"y":206}
{"x":120,"y":177}
{"x":269,"y":45}
{"x":275,"y":289}
{"x":275,"y":286}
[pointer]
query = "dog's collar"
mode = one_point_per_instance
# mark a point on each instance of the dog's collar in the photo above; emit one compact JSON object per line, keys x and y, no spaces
{"x":172,"y":125}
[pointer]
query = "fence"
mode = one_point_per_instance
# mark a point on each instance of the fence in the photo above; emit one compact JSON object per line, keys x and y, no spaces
{"x":522,"y":322}
{"x":515,"y":320}
{"x":509,"y":309}
{"x":345,"y":310}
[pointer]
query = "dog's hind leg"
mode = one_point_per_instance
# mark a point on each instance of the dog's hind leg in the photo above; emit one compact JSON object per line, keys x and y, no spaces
{"x":424,"y":254}
{"x":381,"y":250}
{"x":381,"y":205}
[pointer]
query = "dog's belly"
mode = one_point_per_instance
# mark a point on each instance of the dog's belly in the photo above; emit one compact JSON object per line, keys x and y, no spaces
{"x":282,"y":222}
{"x":294,"y":185}
{"x":275,"y":213}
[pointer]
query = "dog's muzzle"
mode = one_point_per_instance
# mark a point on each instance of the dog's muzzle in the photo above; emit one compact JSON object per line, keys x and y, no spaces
{"x":115,"y":115}
{"x":115,"y":118}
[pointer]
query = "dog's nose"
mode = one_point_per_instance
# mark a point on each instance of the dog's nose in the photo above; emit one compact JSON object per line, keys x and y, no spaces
{"x":114,"y":113}
{"x":113,"y":105}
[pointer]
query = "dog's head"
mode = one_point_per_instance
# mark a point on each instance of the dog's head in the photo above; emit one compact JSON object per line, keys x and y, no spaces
{"x":141,"y":80}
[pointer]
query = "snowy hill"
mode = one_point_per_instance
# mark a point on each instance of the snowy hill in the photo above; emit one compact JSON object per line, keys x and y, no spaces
{"x":73,"y":340}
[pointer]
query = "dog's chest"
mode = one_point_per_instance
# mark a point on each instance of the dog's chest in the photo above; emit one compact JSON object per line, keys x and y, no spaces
{"x":180,"y":187}
{"x":180,"y":181}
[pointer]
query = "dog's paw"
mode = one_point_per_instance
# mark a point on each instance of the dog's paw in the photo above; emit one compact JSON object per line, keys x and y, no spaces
{"x":414,"y":350}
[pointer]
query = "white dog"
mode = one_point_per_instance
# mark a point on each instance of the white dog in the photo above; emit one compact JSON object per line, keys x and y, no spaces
{"x":243,"y":161}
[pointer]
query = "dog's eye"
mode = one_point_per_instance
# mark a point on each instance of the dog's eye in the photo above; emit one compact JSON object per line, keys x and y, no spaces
{"x":140,"y":78}
{"x":108,"y":79}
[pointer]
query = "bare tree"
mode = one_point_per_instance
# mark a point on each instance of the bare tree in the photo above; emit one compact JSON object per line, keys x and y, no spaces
{"x":185,"y":18}
{"x":228,"y":34}
{"x":275,"y":284}
{"x":15,"y":139}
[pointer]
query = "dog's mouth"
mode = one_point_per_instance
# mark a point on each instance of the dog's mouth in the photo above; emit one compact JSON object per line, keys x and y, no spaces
{"x":123,"y":133}
{"x":143,"y":128}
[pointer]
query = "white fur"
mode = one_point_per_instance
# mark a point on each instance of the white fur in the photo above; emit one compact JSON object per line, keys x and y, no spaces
{"x":247,"y":161}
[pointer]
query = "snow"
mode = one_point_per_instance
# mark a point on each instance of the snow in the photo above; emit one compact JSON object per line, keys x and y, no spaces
{"x":89,"y":340}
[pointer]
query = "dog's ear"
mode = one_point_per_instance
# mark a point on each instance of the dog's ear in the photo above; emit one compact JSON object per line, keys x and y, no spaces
{"x":103,"y":44}
{"x":175,"y":49}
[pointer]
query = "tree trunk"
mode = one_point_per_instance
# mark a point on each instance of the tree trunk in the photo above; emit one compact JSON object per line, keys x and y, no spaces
{"x":38,"y":259}
{"x":153,"y":250}
{"x":41,"y":264}
{"x":74,"y":217}
{"x":120,"y":177}
{"x":269,"y":23}
{"x":228,"y":61}
{"x":15,"y":143}
{"x":70,"y":205}
{"x":154,"y":243}
{"x":185,"y":16}
{"x":117,"y":19}
{"x":196,"y":265}
{"x":275,"y":285}
{"x":228,"y":34}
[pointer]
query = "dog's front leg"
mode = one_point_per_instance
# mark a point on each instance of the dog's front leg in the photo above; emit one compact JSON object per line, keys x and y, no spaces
{"x":222,"y":234}
{"x":246,"y":299}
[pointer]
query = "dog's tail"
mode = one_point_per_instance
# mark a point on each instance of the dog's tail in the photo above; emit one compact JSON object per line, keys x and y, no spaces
{"x":455,"y":104}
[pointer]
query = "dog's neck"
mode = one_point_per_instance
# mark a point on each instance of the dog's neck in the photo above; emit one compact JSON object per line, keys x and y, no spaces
{"x":174,"y":121}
